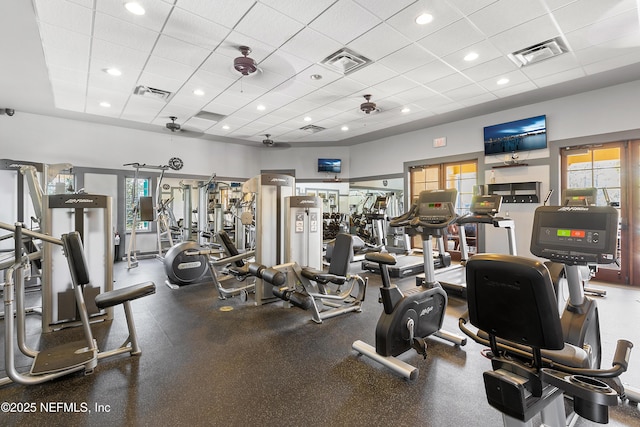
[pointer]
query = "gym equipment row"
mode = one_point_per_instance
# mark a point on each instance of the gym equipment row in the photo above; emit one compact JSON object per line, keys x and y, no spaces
{"x":69,"y":357}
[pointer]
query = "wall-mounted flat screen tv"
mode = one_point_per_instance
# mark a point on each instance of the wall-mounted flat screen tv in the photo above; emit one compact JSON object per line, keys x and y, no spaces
{"x":330,"y":165}
{"x":520,"y":135}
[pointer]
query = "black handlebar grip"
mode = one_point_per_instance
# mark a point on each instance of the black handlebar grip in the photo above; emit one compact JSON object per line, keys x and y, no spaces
{"x":622,"y":354}
{"x":255,"y":269}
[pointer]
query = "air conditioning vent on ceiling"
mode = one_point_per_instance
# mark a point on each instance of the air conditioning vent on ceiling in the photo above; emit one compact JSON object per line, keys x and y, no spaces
{"x":538,"y":52}
{"x":151,"y":92}
{"x":345,"y":61}
{"x":207,"y":115}
{"x":312,"y":128}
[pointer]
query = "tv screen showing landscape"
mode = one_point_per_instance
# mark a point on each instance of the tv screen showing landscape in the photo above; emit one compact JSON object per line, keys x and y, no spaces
{"x":520,"y":135}
{"x":329,"y":165}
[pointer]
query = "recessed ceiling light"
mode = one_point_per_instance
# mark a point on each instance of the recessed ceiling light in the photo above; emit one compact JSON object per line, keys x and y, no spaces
{"x":344,"y":128}
{"x":261,"y":107}
{"x":198,"y":92}
{"x":471,"y":56}
{"x":503,"y":81}
{"x":307,"y":119}
{"x":405,"y":110}
{"x":113,"y":72}
{"x":226,"y":127}
{"x":424,"y":19}
{"x":105,"y":104}
{"x":315,"y":77}
{"x":134,"y":7}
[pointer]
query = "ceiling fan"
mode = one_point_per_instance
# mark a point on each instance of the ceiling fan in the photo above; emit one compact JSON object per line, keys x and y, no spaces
{"x":270,"y":143}
{"x":176,"y":127}
{"x":368,"y":107}
{"x":244,"y":64}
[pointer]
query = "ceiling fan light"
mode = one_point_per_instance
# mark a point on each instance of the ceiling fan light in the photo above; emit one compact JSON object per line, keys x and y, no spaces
{"x":424,"y":18}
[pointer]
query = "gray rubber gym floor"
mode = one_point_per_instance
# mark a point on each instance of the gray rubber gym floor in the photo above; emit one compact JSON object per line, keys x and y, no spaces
{"x":272,"y":366}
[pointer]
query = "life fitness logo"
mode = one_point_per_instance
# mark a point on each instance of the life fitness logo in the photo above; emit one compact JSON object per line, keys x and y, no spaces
{"x":76,"y":201}
{"x":278,"y":180}
{"x":307,"y":202}
{"x":573,"y":209}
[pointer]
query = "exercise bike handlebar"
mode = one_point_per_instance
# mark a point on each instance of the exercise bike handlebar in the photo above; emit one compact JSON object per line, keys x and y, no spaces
{"x":403,"y":220}
{"x":618,"y":366}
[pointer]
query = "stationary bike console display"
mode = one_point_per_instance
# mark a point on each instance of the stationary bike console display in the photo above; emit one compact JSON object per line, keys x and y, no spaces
{"x":485,"y":205}
{"x":436,"y":213}
{"x":575,"y":234}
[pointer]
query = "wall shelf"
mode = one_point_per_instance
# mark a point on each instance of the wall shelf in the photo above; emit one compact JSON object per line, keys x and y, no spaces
{"x":517,"y":192}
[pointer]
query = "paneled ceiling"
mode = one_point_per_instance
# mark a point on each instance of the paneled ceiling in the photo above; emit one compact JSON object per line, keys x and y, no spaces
{"x":417,"y":75}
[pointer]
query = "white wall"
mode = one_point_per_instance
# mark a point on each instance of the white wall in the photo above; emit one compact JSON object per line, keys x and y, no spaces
{"x":304,"y":160}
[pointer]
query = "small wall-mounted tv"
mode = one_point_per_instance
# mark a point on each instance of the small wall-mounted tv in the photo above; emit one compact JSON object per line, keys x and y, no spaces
{"x":330,"y":165}
{"x":520,"y":135}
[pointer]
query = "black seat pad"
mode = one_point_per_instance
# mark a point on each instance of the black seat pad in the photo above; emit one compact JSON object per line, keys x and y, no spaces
{"x":322,"y":277}
{"x":380,"y":258}
{"x":118,"y":296}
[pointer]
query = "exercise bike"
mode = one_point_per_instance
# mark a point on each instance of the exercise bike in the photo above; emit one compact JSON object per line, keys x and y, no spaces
{"x":411,"y":316}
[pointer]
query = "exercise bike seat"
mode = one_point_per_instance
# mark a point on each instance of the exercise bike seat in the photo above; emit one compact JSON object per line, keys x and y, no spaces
{"x":380,"y":258}
{"x":119,"y":296}
{"x":322,"y":277}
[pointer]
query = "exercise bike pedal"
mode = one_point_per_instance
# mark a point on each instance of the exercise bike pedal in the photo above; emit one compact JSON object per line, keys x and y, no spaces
{"x":420,"y":345}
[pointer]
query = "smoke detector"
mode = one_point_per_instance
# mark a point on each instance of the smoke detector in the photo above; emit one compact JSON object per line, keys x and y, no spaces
{"x":243,"y":64}
{"x":368,"y":107}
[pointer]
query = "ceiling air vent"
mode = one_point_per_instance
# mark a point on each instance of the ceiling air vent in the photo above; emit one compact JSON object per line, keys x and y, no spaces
{"x":151,"y":92}
{"x":538,"y":52}
{"x":345,"y":61}
{"x":312,"y":128}
{"x":207,"y":115}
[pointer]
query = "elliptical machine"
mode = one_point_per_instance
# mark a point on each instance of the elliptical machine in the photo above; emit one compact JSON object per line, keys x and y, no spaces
{"x":411,"y":316}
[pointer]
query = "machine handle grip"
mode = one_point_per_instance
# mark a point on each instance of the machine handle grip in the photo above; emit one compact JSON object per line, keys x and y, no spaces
{"x":622,"y":354}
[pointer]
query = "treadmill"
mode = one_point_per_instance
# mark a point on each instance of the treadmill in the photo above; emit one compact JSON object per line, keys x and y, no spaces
{"x":484,"y":210}
{"x":409,"y":265}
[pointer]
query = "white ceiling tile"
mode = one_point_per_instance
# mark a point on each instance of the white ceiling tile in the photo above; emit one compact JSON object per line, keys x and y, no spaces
{"x":170,"y":69}
{"x":557,"y":64}
{"x":142,"y":109}
{"x":96,"y":95}
{"x":285,"y":64}
{"x":345,"y":87}
{"x":452,"y":106}
{"x":181,"y":112}
{"x":511,"y":14}
{"x":268,"y":25}
{"x":220,"y":65}
{"x":68,"y":95}
{"x":416,"y":94}
{"x":340,"y":23}
{"x":432,"y":71}
{"x":379,"y":42}
{"x":407,"y":58}
{"x":179,"y":51}
{"x":492,"y":68}
{"x":510,"y":90}
{"x":154,"y":18}
{"x":159,"y":82}
{"x":100,"y":79}
{"x":230,"y":47}
{"x":328,"y":75}
{"x":66,"y":74}
{"x":528,"y":34}
{"x":209,"y":82}
{"x":311,"y":45}
{"x":392,"y":86}
{"x":384,"y":9}
{"x":63,"y":39}
{"x":274,"y":100}
{"x":560,"y":77}
{"x":470,"y":100}
{"x":224,"y":12}
{"x":68,"y":59}
{"x":619,"y":31}
{"x":118,"y":56}
{"x":611,"y":63}
{"x":266,"y":79}
{"x":295,"y":88}
{"x":485,"y":50}
{"x":555,"y":4}
{"x":581,"y":13}
{"x":218,"y":108}
{"x":405,"y":21}
{"x":515,"y":77}
{"x":194,"y":29}
{"x":372,"y":74}
{"x":446,"y":84}
{"x":302,"y":11}
{"x":85,"y":3}
{"x":198,"y":124}
{"x":469,"y":6}
{"x":452,"y":38}
{"x":465,"y":92}
{"x":123,"y":33}
{"x":185,"y":98}
{"x":65,"y":15}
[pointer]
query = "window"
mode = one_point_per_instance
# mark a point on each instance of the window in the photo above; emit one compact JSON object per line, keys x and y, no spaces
{"x":132,"y":199}
{"x":63,"y":182}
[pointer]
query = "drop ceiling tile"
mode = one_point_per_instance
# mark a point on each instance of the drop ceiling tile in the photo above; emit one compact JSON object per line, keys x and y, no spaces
{"x":65,"y":15}
{"x":556,"y":4}
{"x":452,"y":38}
{"x":181,"y":112}
{"x":299,"y":106}
{"x":372,"y":74}
{"x":227,"y":13}
{"x":328,"y":76}
{"x":619,"y":31}
{"x":85,"y":3}
{"x":169,"y":69}
{"x":266,"y":79}
{"x":465,"y":92}
{"x":67,"y":59}
{"x":560,"y":77}
{"x":179,"y":51}
{"x":581,"y":13}
{"x":345,"y":87}
{"x":301,"y":11}
{"x":141,"y":109}
{"x":209,"y":82}
{"x":118,"y":56}
{"x":492,"y":68}
{"x":66,"y":74}
{"x":311,"y":45}
{"x":220,"y":65}
{"x":284,"y":64}
{"x":468,"y":101}
{"x":432,"y":71}
{"x":384,"y":9}
{"x":379,"y":42}
{"x":446,"y":84}
{"x":123,"y":33}
{"x":230,"y":47}
{"x":452,"y":106}
{"x":511,"y":14}
{"x":159,"y":82}
{"x":469,"y":6}
{"x":611,"y":63}
{"x":268,"y":25}
{"x":63,"y":39}
{"x":294,"y":88}
{"x":486,"y":52}
{"x":97,"y":95}
{"x":515,"y":77}
{"x":416,"y":94}
{"x":407,"y":58}
{"x":321,"y":97}
{"x":405,"y":21}
{"x":218,"y":108}
{"x":194,"y":29}
{"x":392,"y":86}
{"x":198,"y":124}
{"x":550,"y":66}
{"x":344,"y":21}
{"x":514,"y":89}
{"x":274,"y":100}
{"x":154,"y":18}
{"x":100,"y":79}
{"x":528,"y":34}
{"x":68,"y":95}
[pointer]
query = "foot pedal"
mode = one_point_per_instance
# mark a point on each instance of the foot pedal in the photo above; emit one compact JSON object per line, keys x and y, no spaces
{"x":62,"y":357}
{"x":420,"y":345}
